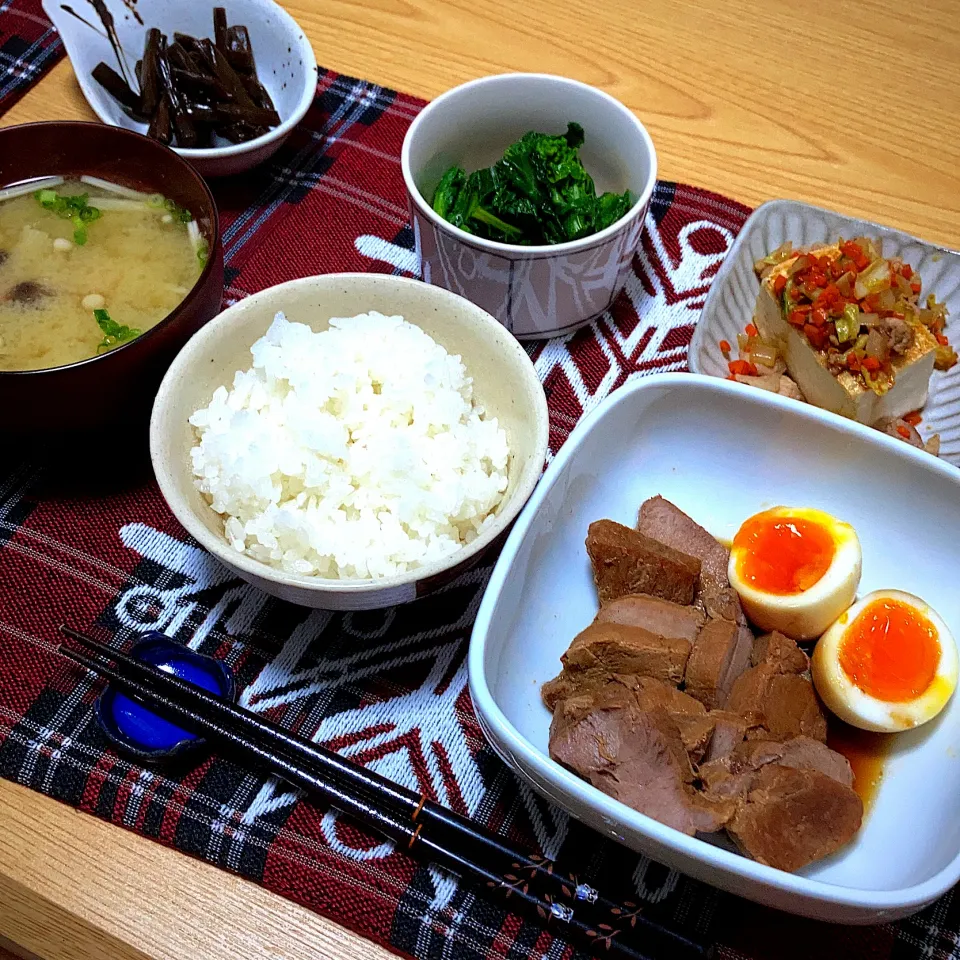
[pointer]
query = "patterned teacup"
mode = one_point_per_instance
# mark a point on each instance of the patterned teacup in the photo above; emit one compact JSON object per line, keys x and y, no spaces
{"x":534,"y":291}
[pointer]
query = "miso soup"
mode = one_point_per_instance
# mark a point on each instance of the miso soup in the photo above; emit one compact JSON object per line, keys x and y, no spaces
{"x":86,"y":265}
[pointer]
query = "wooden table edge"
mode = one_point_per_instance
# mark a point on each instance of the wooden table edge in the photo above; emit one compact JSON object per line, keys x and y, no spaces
{"x":57,"y":902}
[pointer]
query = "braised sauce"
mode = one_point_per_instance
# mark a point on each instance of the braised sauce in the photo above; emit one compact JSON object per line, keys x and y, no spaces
{"x":867,"y":753}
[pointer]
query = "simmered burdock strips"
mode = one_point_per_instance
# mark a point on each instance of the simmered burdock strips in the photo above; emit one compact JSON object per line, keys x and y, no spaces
{"x":662,"y":617}
{"x":661,"y":520}
{"x":637,"y":756}
{"x":614,"y":649}
{"x":720,"y":654}
{"x":792,"y":817}
{"x":625,"y":561}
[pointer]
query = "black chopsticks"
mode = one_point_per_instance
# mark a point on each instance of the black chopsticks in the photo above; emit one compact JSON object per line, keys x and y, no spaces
{"x":413,"y":822}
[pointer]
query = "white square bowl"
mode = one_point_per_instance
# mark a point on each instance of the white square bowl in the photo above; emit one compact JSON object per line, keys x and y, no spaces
{"x":733,"y":295}
{"x":722,"y":453}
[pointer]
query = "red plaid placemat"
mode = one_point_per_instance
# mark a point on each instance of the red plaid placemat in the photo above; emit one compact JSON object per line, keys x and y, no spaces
{"x":29,"y":46}
{"x":387,"y":688}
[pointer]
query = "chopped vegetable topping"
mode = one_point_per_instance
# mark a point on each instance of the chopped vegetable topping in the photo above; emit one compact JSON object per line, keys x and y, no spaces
{"x":113,"y":332}
{"x":74,"y":207}
{"x":856,"y":308}
{"x":725,"y":347}
{"x":742,"y":367}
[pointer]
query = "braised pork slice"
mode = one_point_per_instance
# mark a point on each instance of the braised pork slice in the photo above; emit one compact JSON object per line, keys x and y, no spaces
{"x":662,"y":617}
{"x":625,"y":561}
{"x":733,"y":774}
{"x":661,"y":520}
{"x":785,"y":703}
{"x":720,"y":654}
{"x":806,"y":753}
{"x":619,"y":691}
{"x":729,"y":730}
{"x":777,"y":648}
{"x":630,"y":650}
{"x":571,"y":696}
{"x":638,"y":757}
{"x":578,"y":683}
{"x":792,"y":817}
{"x":693,"y":722}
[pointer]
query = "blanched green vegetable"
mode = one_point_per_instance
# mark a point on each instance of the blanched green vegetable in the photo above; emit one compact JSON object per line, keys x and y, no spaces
{"x":538,"y":193}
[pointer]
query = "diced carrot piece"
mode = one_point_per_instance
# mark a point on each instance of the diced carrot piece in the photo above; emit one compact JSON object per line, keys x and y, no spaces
{"x":904,"y":431}
{"x":779,"y":283}
{"x":942,"y":340}
{"x":742,"y":367}
{"x":907,"y":271}
{"x":915,"y":287}
{"x":853,"y":362}
{"x":913,"y":418}
{"x":871,"y":363}
{"x":816,"y":335}
{"x":725,"y":346}
{"x":751,"y":331}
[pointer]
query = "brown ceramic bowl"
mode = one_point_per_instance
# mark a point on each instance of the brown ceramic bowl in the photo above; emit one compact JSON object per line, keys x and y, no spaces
{"x":119,"y":386}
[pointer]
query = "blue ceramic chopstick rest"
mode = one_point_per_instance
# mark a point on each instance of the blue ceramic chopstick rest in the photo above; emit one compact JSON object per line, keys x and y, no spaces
{"x":140,"y":732}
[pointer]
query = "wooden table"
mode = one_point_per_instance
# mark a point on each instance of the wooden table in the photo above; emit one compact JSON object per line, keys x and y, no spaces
{"x":852,"y":106}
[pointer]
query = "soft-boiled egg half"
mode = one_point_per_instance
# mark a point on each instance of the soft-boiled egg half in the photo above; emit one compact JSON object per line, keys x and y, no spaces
{"x":889,"y":663}
{"x":796,"y":570}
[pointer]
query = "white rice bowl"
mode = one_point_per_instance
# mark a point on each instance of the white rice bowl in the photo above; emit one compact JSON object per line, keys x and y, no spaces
{"x":357,"y":452}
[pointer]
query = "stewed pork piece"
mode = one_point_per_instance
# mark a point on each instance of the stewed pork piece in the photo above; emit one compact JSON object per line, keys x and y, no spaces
{"x":637,"y":756}
{"x":625,"y":561}
{"x":661,"y":520}
{"x":792,"y":817}
{"x":670,"y":704}
{"x":719,"y":655}
{"x":658,"y":616}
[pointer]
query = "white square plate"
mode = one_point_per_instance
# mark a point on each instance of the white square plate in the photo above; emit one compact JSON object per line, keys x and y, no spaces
{"x":722,"y":453}
{"x":733,"y":295}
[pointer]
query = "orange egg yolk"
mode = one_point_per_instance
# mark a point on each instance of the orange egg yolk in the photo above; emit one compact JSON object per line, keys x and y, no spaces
{"x":891,"y":651}
{"x":781,"y":554}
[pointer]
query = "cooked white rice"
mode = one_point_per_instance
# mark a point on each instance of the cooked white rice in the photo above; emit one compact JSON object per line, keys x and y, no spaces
{"x":353,"y":453}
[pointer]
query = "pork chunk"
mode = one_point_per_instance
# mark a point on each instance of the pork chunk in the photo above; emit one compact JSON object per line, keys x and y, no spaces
{"x":661,"y":520}
{"x":637,"y":757}
{"x":779,"y":649}
{"x":785,"y":703}
{"x":719,"y":655}
{"x":792,"y":817}
{"x":625,"y":561}
{"x":662,"y":617}
{"x":729,"y":730}
{"x":627,"y":650}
